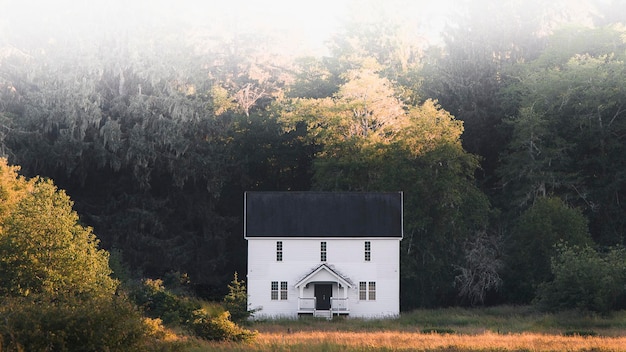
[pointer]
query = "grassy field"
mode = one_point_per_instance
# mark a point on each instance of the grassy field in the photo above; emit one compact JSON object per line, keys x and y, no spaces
{"x":453,"y":329}
{"x":408,"y":341}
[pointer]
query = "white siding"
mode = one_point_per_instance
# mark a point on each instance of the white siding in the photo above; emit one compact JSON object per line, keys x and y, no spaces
{"x":346,"y":255}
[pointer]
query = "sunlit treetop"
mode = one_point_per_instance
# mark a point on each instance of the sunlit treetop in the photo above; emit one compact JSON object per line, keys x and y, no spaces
{"x":43,"y":248}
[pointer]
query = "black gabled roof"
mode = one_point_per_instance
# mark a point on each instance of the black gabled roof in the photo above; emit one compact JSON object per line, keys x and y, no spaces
{"x":323,"y":214}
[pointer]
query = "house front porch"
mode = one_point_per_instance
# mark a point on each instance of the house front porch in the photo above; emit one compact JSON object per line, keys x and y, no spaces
{"x":323,"y":292}
{"x":308,"y":306}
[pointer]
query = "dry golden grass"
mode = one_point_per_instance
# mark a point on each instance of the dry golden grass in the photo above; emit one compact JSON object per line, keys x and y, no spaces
{"x":410,"y":341}
{"x":504,"y":328}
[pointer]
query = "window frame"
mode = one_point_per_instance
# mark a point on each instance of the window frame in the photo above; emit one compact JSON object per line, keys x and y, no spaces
{"x":367,"y":290}
{"x":279,"y":251}
{"x":323,"y":251}
{"x":371,"y":291}
{"x":284,"y":290}
{"x":362,"y":291}
{"x":368,"y":251}
{"x":279,"y":291}
{"x":274,"y":291}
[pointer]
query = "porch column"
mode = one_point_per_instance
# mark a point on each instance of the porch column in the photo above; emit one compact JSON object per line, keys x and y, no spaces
{"x":301,"y":288}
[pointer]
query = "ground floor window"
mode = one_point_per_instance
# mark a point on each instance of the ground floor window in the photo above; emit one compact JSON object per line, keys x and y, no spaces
{"x":283,"y":290}
{"x":367,"y":290}
{"x":276,"y":292}
{"x":372,"y":291}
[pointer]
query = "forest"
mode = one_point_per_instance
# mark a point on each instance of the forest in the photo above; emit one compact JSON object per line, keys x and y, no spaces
{"x":507,"y":136}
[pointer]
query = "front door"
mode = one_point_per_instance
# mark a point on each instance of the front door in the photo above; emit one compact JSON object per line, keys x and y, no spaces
{"x":323,"y":292}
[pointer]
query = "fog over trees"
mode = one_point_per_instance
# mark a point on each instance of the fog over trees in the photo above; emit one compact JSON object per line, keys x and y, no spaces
{"x":503,"y":122}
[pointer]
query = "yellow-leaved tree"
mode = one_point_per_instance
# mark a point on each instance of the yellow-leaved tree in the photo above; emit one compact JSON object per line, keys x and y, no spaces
{"x":55,"y":281}
{"x":369,"y":139}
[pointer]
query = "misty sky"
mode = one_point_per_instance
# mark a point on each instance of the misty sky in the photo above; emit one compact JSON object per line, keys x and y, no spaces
{"x":303,"y":24}
{"x":311,"y":22}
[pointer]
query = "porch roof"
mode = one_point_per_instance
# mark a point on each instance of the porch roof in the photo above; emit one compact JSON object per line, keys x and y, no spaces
{"x":311,"y":276}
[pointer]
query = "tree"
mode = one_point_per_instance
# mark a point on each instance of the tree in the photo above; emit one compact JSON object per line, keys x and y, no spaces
{"x":480,"y":59}
{"x":467,"y":75}
{"x":376,"y":31}
{"x":585,"y":279}
{"x":531,"y":246}
{"x":43,"y":248}
{"x":135,"y":131}
{"x":371,"y":141}
{"x":236,"y":301}
{"x":569,"y":130}
{"x":443,"y":210}
{"x":12,"y":189}
{"x":481,"y":272}
{"x":56,"y":285}
{"x":536,"y":162}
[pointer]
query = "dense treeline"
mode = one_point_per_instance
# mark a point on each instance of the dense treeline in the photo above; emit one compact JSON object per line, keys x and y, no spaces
{"x":507,"y":140}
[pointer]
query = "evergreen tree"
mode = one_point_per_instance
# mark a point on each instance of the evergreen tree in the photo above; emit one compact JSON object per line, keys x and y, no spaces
{"x":236,"y":301}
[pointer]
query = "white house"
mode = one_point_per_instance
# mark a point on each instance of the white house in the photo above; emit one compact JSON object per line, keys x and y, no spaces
{"x":323,"y":253}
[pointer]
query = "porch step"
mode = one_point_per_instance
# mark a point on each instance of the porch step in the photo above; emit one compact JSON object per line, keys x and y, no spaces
{"x":328,"y":314}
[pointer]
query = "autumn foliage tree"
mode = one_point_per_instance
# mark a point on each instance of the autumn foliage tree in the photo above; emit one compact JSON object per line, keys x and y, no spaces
{"x":55,"y":281}
{"x":369,"y":140}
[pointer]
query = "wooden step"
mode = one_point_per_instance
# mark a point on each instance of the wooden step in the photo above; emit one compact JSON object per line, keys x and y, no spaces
{"x":328,"y":314}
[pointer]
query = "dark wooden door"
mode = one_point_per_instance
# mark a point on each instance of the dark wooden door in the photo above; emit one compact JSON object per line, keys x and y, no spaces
{"x":323,"y":292}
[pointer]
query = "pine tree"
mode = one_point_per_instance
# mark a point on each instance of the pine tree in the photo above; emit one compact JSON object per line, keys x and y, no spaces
{"x":236,"y":301}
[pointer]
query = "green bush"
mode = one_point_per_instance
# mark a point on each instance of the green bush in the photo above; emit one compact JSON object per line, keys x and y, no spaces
{"x":584,"y":279}
{"x":532,"y":245}
{"x":158,"y":302}
{"x":39,"y":324}
{"x":219,"y":328}
{"x":187,"y":313}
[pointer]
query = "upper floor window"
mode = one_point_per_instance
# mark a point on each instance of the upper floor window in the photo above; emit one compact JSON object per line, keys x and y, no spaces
{"x":323,"y":251}
{"x":368,"y":251}
{"x":279,"y":251}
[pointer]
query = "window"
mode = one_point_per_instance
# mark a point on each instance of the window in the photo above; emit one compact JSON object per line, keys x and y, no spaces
{"x":367,"y":290}
{"x":368,"y":251}
{"x":275,"y":291}
{"x":323,"y":251}
{"x":283,"y":290}
{"x":362,"y":291}
{"x":279,"y":251}
{"x":372,"y":293}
